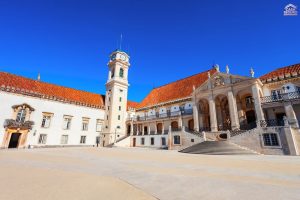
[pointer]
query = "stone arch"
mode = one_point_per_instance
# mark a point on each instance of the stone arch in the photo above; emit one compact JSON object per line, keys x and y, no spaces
{"x":204,"y":117}
{"x":191,"y":124}
{"x":159,"y":128}
{"x":222,"y":111}
{"x":174,"y":125}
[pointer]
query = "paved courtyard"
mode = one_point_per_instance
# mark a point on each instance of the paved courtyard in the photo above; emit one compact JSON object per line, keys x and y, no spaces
{"x":117,"y":173}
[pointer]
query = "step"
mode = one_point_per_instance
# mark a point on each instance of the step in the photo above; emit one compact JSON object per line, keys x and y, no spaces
{"x":216,"y":148}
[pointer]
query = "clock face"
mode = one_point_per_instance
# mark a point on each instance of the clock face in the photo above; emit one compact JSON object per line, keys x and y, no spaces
{"x":123,"y":57}
{"x":113,"y":57}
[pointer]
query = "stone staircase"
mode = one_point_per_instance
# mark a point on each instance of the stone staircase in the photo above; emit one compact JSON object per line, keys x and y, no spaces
{"x":217,"y":148}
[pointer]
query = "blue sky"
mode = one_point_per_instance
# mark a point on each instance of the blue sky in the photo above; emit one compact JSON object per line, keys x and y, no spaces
{"x":69,"y":41}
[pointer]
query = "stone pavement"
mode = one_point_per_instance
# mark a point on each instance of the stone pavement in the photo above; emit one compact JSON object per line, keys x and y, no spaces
{"x":119,"y":173}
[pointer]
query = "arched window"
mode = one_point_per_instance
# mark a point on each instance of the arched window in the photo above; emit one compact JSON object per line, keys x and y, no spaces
{"x":21,"y":115}
{"x":121,"y":74}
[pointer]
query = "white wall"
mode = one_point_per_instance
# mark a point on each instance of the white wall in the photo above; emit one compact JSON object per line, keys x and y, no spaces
{"x":55,"y":130}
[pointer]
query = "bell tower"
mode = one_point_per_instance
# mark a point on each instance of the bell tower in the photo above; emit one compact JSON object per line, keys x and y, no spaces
{"x":116,"y":97}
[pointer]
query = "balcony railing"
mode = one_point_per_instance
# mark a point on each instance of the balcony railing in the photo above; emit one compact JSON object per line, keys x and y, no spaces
{"x":271,"y":122}
{"x":162,"y":115}
{"x":281,"y":97}
{"x":11,"y":123}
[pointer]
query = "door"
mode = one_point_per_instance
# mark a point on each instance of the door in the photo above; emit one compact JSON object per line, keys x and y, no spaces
{"x":250,"y":115}
{"x":14,"y":140}
{"x":159,"y":128}
{"x":191,"y":125}
{"x":279,"y":119}
{"x":134,"y":142}
{"x":128,"y":129}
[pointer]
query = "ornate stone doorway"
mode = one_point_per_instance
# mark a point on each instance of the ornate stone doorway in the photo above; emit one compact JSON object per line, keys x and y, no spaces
{"x":14,"y":140}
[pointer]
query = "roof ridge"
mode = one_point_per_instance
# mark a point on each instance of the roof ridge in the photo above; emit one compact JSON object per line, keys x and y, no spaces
{"x":49,"y":83}
{"x":278,"y":69}
{"x":182,"y":79}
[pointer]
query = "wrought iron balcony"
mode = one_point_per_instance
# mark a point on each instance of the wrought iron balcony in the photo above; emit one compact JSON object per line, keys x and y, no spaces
{"x":187,"y":112}
{"x":13,"y":124}
{"x":271,"y":122}
{"x":281,"y":97}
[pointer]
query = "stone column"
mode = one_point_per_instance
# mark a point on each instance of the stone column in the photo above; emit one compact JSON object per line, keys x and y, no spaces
{"x":233,"y":111}
{"x":257,"y":103}
{"x":155,"y":128}
{"x":143,"y":129}
{"x":137,"y":129}
{"x":180,"y":122}
{"x":163,"y":128}
{"x":149,"y":129}
{"x":213,"y":116}
{"x":195,"y":116}
{"x":290,"y":114}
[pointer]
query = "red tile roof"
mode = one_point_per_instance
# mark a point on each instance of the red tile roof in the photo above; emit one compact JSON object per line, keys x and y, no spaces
{"x":176,"y":90}
{"x":282,"y":71}
{"x":51,"y":90}
{"x":132,"y":104}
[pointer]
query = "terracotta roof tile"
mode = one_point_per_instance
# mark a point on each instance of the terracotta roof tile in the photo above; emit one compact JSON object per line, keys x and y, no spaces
{"x":51,"y":89}
{"x":281,"y":72}
{"x":175,"y":90}
{"x":132,"y":104}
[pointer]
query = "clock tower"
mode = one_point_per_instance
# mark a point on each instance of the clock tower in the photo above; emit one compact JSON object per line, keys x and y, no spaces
{"x":116,"y":97}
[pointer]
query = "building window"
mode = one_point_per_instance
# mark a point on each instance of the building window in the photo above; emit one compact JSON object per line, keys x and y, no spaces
{"x":119,"y":108}
{"x":82,"y":139}
{"x":152,"y":141}
{"x":121,"y":74}
{"x":120,"y":99}
{"x":107,"y":107}
{"x":142,"y":141}
{"x":67,"y":122}
{"x":192,"y":140}
{"x":42,"y":139}
{"x":46,"y":121}
{"x":99,"y":125}
{"x":21,"y":115}
{"x":270,"y":139}
{"x":118,"y":127}
{"x":85,"y":124}
{"x":119,"y":117}
{"x":64,"y":139}
{"x":163,"y":141}
{"x":176,"y":139}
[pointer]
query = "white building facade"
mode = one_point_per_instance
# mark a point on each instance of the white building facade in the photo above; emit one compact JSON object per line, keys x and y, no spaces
{"x":260,"y":114}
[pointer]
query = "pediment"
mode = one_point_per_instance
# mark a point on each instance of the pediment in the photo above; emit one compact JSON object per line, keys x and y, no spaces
{"x":222,"y":80}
